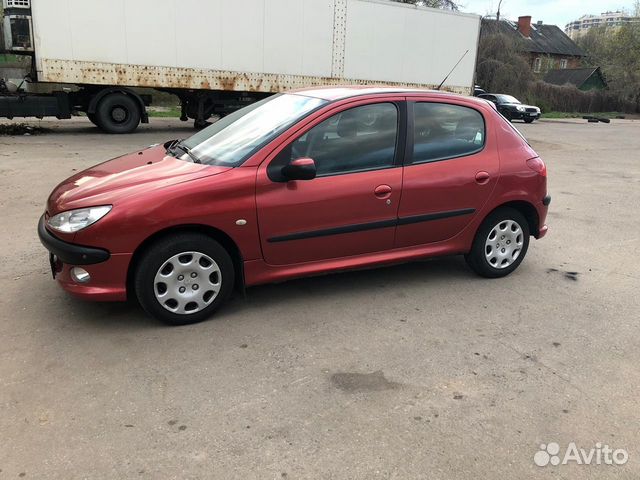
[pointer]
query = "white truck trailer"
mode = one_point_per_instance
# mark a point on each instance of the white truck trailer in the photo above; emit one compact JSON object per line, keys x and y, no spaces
{"x":219,"y":55}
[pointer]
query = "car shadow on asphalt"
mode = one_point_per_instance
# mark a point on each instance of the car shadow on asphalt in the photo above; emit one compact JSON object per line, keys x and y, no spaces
{"x":367,"y":279}
{"x":337,"y":286}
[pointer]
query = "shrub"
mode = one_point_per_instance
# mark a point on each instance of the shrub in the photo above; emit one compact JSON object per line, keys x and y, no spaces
{"x":568,"y":98}
{"x":501,"y":68}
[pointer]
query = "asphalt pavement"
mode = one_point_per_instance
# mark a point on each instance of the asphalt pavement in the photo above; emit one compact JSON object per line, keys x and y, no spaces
{"x":421,"y":370}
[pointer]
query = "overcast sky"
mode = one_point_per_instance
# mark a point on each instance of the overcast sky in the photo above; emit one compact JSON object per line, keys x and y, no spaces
{"x":557,"y":12}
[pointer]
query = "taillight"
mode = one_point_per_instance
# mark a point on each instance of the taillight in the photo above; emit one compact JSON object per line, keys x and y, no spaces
{"x":537,"y":165}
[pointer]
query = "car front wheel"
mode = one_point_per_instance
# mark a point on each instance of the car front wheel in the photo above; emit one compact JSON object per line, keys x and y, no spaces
{"x":500,"y":244}
{"x":184,"y":278}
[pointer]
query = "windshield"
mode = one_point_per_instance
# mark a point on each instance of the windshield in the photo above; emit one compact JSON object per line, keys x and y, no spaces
{"x":234,"y":138}
{"x":507,"y":99}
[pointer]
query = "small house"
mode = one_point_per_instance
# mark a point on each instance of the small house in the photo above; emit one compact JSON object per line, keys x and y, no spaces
{"x":590,"y":78}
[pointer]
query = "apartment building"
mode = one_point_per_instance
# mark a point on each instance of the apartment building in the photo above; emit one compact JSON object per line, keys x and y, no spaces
{"x":579,"y":27}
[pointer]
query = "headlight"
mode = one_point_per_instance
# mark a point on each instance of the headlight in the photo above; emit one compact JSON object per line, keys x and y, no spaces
{"x":74,"y":220}
{"x":520,"y":108}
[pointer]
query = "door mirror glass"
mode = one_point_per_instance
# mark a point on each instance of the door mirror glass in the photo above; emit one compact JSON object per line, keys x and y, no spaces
{"x":300,"y":169}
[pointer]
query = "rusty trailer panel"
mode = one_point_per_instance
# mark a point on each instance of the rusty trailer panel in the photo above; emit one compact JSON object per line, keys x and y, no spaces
{"x":277,"y":46}
{"x":105,"y":46}
{"x":98,"y":73}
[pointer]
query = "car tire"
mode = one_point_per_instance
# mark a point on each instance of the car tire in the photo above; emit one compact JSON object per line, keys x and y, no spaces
{"x":500,"y":243}
{"x":529,"y":120}
{"x":508,"y":115}
{"x":118,"y":113}
{"x":184,"y":278}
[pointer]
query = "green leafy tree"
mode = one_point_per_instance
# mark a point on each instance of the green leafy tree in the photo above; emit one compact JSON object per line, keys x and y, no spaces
{"x":617,"y":51}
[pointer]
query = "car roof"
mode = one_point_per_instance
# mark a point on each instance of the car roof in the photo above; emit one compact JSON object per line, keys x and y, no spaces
{"x":335,"y":93}
{"x":332,"y":93}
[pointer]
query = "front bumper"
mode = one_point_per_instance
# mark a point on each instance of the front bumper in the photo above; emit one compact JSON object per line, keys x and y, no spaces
{"x":524,"y":115}
{"x":108,"y":271}
{"x":69,"y":252}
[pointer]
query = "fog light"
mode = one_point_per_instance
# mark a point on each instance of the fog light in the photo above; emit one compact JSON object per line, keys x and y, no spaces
{"x":80,"y":275}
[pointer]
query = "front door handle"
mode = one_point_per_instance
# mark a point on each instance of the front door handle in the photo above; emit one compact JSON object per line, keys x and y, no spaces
{"x":482,"y":177}
{"x":382,"y":191}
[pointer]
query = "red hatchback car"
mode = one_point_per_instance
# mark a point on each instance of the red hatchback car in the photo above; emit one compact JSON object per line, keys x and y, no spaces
{"x":298,"y":184}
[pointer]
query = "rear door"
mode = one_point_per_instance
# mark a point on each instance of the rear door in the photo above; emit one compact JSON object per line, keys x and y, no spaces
{"x":351,"y":207}
{"x":451,"y":168}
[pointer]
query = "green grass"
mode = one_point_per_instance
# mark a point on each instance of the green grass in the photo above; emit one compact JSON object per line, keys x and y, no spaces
{"x":15,"y":61}
{"x":579,"y":115}
{"x":172,"y":112}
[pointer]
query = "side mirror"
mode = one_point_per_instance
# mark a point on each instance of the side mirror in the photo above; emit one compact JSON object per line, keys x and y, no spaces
{"x":300,"y":169}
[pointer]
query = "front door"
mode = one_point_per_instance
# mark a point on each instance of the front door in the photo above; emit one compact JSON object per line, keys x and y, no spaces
{"x":351,"y":207}
{"x":451,"y":169}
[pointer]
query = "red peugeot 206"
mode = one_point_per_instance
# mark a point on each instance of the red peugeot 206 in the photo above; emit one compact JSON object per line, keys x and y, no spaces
{"x":298,"y":184}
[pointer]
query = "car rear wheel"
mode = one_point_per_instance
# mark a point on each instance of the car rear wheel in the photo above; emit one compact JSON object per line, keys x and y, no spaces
{"x":184,"y":278}
{"x":500,"y":244}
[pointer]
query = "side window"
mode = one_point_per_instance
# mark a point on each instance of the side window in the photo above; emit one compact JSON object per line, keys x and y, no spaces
{"x":443,"y":131}
{"x":537,"y":65}
{"x":358,"y":139}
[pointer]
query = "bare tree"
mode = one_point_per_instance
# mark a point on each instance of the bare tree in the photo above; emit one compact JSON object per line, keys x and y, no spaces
{"x":500,"y":66}
{"x":444,"y":4}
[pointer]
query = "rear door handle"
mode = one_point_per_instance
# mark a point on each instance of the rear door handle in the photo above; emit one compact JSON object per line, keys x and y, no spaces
{"x":482,"y":177}
{"x":382,"y":191}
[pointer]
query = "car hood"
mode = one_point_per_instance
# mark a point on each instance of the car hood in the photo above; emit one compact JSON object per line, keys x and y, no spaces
{"x":116,"y":180}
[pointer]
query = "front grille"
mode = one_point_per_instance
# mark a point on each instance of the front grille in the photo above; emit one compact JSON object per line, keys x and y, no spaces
{"x":533,"y":110}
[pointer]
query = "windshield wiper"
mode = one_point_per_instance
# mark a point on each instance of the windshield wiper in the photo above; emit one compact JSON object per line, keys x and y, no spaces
{"x":186,"y":150}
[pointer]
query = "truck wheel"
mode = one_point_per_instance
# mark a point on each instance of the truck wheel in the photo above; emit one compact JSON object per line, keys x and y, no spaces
{"x":118,"y":113}
{"x":184,"y":278}
{"x":92,"y":118}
